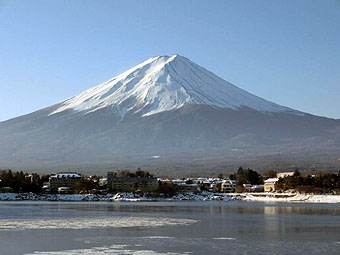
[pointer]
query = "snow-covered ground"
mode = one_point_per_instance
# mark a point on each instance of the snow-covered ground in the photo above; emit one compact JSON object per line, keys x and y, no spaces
{"x":128,"y":197}
{"x":204,"y":196}
{"x":53,"y":197}
{"x":291,"y":197}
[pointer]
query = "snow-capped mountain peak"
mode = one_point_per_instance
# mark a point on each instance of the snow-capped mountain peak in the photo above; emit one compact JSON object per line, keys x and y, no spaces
{"x":165,"y":83}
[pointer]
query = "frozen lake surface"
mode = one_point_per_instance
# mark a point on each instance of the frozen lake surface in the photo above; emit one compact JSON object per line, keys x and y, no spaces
{"x":158,"y":228}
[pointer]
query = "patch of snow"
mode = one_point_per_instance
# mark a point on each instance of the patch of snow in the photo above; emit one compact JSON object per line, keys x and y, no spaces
{"x":53,"y":197}
{"x":305,"y":198}
{"x":271,"y":180}
{"x":205,"y":197}
{"x":129,"y":197}
{"x":8,"y":196}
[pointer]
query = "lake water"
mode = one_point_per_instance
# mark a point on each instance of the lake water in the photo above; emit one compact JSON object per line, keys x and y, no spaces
{"x":158,"y":228}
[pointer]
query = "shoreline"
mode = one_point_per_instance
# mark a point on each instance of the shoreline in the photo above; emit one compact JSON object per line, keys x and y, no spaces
{"x":129,"y":197}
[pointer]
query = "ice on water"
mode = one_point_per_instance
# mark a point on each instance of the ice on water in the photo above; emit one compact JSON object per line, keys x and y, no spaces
{"x":87,"y":223}
{"x":106,"y":250}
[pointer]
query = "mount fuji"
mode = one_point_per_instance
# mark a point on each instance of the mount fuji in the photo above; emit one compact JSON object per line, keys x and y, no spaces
{"x":162,"y":84}
{"x":167,"y":107}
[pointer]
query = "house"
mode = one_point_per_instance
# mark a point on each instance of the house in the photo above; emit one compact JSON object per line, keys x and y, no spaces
{"x":215,"y":184}
{"x":131,"y":184}
{"x":228,"y":186}
{"x":65,"y":180}
{"x":204,"y":185}
{"x":187,"y":188}
{"x":269,"y":184}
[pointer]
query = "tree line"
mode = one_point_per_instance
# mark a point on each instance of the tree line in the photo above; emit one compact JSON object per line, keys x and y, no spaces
{"x":310,"y":183}
{"x":321,"y":182}
{"x":22,"y":182}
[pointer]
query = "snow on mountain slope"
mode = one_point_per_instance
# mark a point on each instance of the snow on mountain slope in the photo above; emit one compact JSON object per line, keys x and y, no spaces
{"x":165,"y":83}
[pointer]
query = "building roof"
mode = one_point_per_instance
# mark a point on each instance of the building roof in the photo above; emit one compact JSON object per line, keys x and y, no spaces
{"x":66,"y":175}
{"x":271,"y":180}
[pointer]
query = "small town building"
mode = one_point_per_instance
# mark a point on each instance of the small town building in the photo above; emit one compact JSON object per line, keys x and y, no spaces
{"x":228,"y":186}
{"x":65,"y":180}
{"x":203,"y":182}
{"x":269,"y":184}
{"x":131,"y":184}
{"x":187,"y":188}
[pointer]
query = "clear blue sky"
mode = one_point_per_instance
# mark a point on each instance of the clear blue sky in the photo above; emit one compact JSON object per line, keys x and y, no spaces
{"x":284,"y":51}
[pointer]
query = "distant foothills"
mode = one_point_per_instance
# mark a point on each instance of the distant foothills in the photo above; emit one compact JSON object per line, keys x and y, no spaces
{"x":144,"y":183}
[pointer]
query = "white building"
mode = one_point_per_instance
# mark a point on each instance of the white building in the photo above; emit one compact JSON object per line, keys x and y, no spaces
{"x":269,"y":184}
{"x":228,"y":186}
